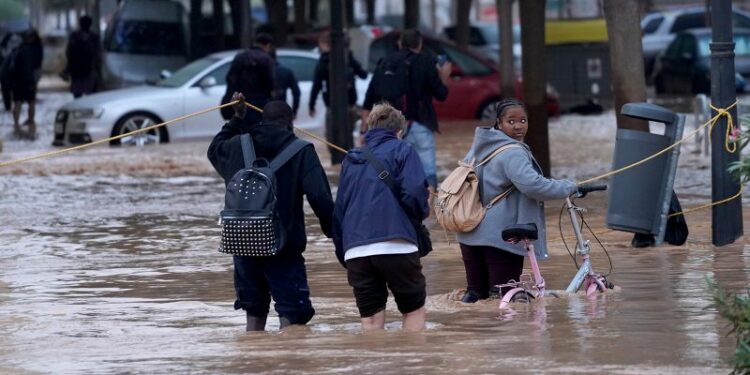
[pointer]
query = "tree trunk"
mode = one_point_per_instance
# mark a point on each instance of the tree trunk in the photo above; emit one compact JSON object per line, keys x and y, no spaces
{"x":411,"y":14}
{"x":463,"y":11}
{"x":195,"y":26}
{"x":370,"y":12}
{"x":626,"y":59}
{"x":241,"y":20}
{"x":349,"y":8}
{"x":313,"y":10}
{"x":505,"y":28}
{"x":217,"y":7}
{"x":535,"y":79}
{"x":300,"y":16}
{"x":277,"y":16}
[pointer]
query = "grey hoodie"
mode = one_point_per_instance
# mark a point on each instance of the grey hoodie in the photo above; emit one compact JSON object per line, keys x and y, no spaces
{"x":524,"y":205}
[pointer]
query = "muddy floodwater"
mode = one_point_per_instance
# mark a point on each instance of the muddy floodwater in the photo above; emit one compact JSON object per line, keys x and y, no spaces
{"x":108,"y":265}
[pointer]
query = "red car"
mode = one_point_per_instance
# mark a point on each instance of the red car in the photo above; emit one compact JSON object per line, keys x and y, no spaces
{"x":475,"y":85}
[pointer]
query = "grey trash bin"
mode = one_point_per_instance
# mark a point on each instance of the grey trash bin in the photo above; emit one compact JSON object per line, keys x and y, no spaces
{"x":639,"y":197}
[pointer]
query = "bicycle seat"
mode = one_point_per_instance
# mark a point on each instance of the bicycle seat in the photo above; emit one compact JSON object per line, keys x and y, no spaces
{"x":519,"y":232}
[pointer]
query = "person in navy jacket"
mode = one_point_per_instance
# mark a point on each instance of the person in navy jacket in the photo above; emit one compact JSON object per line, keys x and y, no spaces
{"x":372,"y":228}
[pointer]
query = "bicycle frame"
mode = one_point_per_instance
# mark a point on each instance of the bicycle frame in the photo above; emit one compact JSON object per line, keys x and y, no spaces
{"x":522,"y":286}
{"x":585,"y":275}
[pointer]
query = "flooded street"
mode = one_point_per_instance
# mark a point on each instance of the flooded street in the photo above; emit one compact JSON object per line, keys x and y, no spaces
{"x":108,"y":264}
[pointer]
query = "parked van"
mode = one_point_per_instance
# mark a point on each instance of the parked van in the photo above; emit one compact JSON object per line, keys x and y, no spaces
{"x":144,"y":38}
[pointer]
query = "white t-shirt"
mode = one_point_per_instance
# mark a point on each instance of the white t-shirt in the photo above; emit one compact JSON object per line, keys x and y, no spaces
{"x":381,"y":248}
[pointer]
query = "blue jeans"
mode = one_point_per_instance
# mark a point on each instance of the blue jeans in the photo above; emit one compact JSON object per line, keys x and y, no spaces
{"x":283,"y":276}
{"x":423,"y":141}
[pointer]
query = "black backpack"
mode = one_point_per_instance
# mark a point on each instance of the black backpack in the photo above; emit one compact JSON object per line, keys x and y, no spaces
{"x":391,"y":80}
{"x":251,"y":223}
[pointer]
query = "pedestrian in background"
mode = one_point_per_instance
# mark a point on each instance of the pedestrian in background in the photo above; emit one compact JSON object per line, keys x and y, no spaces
{"x":372,"y":226}
{"x":251,"y":74}
{"x":84,"y":62}
{"x":8,"y":46}
{"x":285,"y":81}
{"x":27,"y":62}
{"x":321,"y":82}
{"x":426,"y":81}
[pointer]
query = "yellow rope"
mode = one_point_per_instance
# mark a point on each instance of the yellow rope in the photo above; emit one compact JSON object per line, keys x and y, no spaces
{"x":710,"y":123}
{"x":309,"y":134}
{"x":149,"y":128}
{"x":733,"y":197}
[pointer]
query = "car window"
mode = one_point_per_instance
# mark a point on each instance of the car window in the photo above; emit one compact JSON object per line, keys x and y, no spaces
{"x":303,"y":67}
{"x":652,"y":25}
{"x":147,"y":38}
{"x":187,"y":72}
{"x":220,"y":74}
{"x":689,"y":21}
{"x":673,"y":51}
{"x":468,"y":64}
{"x":739,"y":20}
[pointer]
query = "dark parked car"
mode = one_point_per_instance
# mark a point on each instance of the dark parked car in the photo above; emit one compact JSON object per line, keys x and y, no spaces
{"x":685,"y":67}
{"x":474,"y":87}
{"x":660,"y":28}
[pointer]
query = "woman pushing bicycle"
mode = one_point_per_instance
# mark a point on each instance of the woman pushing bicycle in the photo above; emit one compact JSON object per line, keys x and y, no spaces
{"x":488,"y":260}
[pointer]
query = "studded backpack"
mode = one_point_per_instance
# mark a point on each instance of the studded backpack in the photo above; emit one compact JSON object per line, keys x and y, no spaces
{"x":250,"y":221}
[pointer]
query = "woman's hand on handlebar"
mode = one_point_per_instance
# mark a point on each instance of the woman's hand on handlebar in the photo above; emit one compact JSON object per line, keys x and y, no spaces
{"x":587,"y":188}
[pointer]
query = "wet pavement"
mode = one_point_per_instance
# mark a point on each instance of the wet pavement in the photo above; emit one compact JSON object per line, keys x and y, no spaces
{"x":108,"y":264}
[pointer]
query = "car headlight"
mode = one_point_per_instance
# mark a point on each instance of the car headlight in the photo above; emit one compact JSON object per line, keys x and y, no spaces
{"x":86,"y":113}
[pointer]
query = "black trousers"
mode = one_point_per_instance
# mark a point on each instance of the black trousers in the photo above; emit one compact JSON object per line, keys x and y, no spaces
{"x":7,"y":94}
{"x":489,"y":266}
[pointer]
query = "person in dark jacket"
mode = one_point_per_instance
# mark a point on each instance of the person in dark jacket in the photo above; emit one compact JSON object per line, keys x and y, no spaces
{"x":372,"y":228}
{"x":8,"y":47}
{"x":427,"y":81}
{"x":321,"y":81}
{"x":285,"y":80}
{"x":83,"y":55}
{"x":251,"y":74}
{"x":26,"y":64}
{"x":282,"y":276}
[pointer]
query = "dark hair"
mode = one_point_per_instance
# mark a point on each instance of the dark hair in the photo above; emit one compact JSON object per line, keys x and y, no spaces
{"x":278,"y":113}
{"x":85,"y":22}
{"x":504,"y":104}
{"x":263,"y":39}
{"x":410,"y":38}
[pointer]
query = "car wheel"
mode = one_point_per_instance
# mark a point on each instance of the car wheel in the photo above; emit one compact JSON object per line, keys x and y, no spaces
{"x":488,"y":110}
{"x":135,"y":121}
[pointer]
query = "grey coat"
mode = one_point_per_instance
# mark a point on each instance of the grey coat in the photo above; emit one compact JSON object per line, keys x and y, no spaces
{"x":524,"y":205}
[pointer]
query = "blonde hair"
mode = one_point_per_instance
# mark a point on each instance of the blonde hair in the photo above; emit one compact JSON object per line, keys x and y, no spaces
{"x":384,"y":116}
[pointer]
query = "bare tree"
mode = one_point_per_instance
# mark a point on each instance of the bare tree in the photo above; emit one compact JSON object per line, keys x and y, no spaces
{"x":626,"y":58}
{"x":411,"y":14}
{"x":370,"y":12}
{"x":218,"y":21}
{"x":535,"y":79}
{"x":463,"y":12}
{"x":300,"y":15}
{"x":195,"y":23}
{"x":505,"y":28}
{"x":277,"y":16}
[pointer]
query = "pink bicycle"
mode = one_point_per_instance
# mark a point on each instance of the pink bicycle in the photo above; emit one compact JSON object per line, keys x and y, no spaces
{"x":533,"y":286}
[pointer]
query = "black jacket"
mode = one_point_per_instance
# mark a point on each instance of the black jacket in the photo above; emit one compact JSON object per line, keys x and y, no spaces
{"x":301,"y":175}
{"x":424,"y":83}
{"x":27,"y":60}
{"x":321,"y":79}
{"x":252,"y":74}
{"x":82,"y":54}
{"x":285,"y":80}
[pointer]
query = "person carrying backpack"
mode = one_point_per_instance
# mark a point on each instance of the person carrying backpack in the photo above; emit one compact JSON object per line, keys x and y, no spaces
{"x":373,"y":226}
{"x":321,"y":82}
{"x":83,"y":56}
{"x":258,"y":277}
{"x":251,"y":74}
{"x":488,"y":260}
{"x":410,"y":80}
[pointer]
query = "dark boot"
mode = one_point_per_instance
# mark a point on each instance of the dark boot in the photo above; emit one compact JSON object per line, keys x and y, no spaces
{"x":495,"y":293}
{"x":255,"y":323}
{"x":471,"y":296}
{"x":284,"y":322}
{"x":642,"y":240}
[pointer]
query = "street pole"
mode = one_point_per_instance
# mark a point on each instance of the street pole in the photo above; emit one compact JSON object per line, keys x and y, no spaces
{"x":726,"y":224}
{"x":339,"y":100}
{"x":505,"y":28}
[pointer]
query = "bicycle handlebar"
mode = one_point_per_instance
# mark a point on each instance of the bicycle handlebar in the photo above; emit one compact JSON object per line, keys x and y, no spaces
{"x":585,"y":189}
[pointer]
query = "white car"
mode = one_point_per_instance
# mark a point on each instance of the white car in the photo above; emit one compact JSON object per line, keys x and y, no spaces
{"x":196,"y":86}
